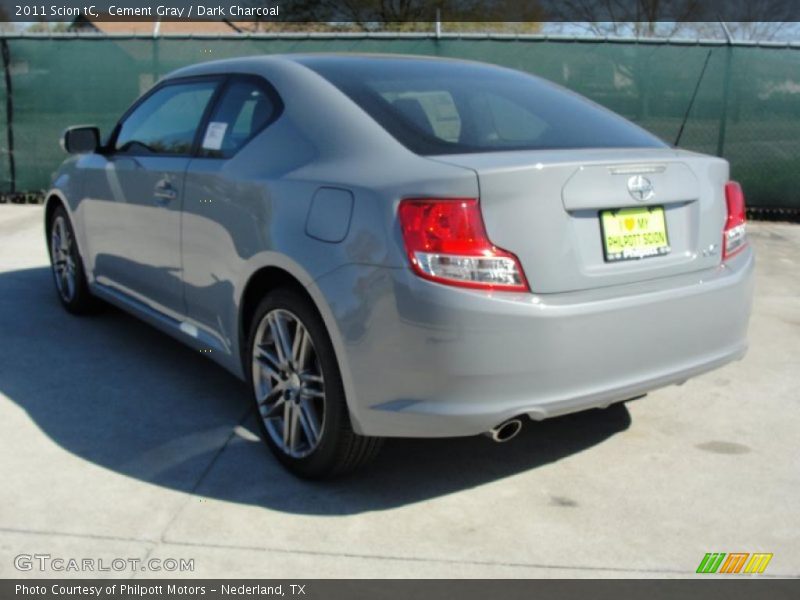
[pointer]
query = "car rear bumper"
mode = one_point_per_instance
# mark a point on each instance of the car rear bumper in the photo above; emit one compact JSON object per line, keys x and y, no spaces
{"x":425,"y":360}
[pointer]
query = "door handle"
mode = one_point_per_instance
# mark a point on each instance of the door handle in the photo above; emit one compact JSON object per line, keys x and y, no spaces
{"x":164,"y":192}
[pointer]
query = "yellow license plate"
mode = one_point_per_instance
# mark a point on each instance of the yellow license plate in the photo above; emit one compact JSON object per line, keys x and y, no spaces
{"x":633,"y":233}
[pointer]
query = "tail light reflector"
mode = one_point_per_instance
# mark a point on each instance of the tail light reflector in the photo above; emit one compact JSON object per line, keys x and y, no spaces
{"x":734,"y":236}
{"x":446,"y":242}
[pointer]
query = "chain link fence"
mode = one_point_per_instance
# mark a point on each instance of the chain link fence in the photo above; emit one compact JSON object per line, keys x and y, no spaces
{"x":739,"y":101}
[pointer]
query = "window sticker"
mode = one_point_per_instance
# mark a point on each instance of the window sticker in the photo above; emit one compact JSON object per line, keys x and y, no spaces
{"x":214,"y":135}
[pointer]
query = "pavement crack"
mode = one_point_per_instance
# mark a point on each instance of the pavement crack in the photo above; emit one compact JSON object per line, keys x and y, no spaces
{"x":380,"y":557}
{"x":202,"y":477}
{"x":440,"y":560}
{"x":91,"y":536}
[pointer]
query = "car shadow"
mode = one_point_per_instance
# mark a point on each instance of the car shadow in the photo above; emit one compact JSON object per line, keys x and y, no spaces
{"x":119,"y":394}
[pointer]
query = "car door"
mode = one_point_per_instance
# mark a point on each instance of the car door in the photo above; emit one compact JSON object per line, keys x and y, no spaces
{"x":223,"y":224}
{"x":133,"y":195}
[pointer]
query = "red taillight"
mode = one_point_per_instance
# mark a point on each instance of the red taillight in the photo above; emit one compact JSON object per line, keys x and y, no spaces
{"x":734,"y":236}
{"x":447,"y":242}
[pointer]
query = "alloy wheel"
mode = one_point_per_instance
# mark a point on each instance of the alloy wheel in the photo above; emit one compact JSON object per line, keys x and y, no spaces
{"x":288,"y":382}
{"x":62,"y":248}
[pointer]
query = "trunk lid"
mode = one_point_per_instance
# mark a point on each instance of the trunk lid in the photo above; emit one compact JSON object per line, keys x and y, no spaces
{"x":544,"y":206}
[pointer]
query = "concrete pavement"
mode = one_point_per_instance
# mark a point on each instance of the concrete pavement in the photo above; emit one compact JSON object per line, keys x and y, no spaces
{"x":118,"y":442}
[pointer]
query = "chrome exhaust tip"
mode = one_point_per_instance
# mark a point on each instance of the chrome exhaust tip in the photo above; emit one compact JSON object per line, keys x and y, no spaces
{"x":507,"y":430}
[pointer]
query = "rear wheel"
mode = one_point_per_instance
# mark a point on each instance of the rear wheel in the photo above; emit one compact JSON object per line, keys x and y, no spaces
{"x":298,"y":390}
{"x":67,"y":266}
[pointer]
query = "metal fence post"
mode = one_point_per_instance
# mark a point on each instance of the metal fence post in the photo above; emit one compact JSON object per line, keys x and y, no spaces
{"x":156,"y":58}
{"x":12,"y":167}
{"x":726,"y":88}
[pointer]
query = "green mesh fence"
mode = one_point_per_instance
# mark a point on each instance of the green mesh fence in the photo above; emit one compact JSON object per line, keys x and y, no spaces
{"x":747,"y":104}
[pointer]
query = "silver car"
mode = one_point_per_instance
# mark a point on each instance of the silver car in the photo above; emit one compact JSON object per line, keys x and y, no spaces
{"x":402,"y":246}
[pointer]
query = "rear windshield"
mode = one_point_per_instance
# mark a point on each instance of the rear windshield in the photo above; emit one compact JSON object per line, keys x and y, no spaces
{"x":451,"y":107}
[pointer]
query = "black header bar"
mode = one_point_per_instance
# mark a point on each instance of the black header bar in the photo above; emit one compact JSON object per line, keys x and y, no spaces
{"x":369,"y":12}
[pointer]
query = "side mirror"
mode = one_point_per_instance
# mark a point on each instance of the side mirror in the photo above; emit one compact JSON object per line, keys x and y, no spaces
{"x":81,"y":139}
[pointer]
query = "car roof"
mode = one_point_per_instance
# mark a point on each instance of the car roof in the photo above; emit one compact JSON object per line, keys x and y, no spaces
{"x":346,"y":57}
{"x":254,"y":63}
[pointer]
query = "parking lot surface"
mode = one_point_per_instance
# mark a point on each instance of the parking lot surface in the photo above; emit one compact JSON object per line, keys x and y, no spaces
{"x":118,"y":442}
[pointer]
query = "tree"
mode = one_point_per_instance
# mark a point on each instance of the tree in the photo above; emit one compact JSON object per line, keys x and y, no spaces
{"x":756,"y":31}
{"x":631,"y":18}
{"x":420,"y":15}
{"x":677,"y":18}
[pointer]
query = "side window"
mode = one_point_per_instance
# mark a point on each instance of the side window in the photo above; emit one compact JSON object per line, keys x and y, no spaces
{"x":166,"y":122}
{"x":244,"y":109}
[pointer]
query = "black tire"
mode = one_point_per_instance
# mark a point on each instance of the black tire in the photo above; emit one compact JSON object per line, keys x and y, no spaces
{"x":77,"y":298}
{"x":340,"y":450}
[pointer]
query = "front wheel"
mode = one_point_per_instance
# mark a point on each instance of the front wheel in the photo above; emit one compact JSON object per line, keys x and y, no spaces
{"x":299,"y":393}
{"x":67,"y":266}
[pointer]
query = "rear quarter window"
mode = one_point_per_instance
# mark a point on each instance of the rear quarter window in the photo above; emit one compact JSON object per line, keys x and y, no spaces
{"x":246,"y":106}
